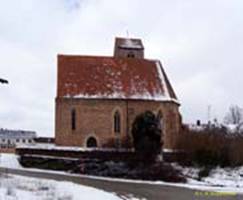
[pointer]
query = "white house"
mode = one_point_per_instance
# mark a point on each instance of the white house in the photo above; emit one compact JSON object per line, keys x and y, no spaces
{"x":12,"y":138}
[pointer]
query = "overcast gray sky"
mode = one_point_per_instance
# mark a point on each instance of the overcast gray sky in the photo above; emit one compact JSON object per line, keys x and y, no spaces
{"x":200,"y":44}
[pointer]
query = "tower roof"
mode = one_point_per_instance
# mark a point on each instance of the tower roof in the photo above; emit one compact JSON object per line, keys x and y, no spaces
{"x":129,"y":43}
{"x":128,"y":47}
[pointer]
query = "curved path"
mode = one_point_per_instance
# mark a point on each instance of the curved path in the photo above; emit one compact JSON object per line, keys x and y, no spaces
{"x":124,"y":189}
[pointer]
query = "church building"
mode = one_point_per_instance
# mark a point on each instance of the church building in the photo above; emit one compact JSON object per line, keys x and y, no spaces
{"x":98,"y":97}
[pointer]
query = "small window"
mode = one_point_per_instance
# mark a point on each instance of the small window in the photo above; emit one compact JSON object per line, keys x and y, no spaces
{"x":73,"y":119}
{"x":23,"y":140}
{"x":29,"y":140}
{"x":17,"y":140}
{"x":130,"y":55}
{"x":117,"y":122}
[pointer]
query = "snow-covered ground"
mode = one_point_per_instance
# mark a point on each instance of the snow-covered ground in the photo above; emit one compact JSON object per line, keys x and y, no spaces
{"x":51,"y":146}
{"x":13,"y":187}
{"x":21,"y":188}
{"x":228,"y":179}
{"x":219,"y":180}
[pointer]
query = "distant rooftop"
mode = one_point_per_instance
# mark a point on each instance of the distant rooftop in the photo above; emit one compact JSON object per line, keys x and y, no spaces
{"x":6,"y":133}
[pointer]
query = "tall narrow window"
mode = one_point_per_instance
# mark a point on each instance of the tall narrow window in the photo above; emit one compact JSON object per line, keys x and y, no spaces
{"x":73,"y":119}
{"x":117,"y":122}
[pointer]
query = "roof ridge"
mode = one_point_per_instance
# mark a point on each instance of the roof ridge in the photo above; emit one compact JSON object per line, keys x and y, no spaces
{"x":84,"y":56}
{"x":105,"y":57}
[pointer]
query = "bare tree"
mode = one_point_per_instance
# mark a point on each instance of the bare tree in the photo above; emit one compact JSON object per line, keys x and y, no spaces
{"x":234,"y":115}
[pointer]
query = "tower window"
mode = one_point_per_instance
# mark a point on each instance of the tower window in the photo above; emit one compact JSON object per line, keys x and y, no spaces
{"x":130,"y":55}
{"x":117,"y":122}
{"x":73,"y":119}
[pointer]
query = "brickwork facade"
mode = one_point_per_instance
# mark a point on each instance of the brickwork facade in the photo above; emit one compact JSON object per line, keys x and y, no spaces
{"x":94,"y":93}
{"x":95,"y":118}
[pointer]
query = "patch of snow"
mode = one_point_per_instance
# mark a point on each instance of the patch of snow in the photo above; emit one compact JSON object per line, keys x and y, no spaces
{"x":119,"y":95}
{"x":231,"y":127}
{"x":51,"y":157}
{"x":222,"y":179}
{"x":171,"y":150}
{"x":231,"y":179}
{"x":130,"y":197}
{"x":17,"y":187}
{"x":48,"y":146}
{"x":129,"y":43}
{"x":195,"y":127}
{"x":9,"y":160}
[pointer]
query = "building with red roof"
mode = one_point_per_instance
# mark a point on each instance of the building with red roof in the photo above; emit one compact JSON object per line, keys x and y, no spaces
{"x":98,"y":97}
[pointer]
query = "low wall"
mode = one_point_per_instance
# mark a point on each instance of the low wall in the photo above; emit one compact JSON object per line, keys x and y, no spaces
{"x":127,"y":168}
{"x":127,"y":156}
{"x":89,"y":154}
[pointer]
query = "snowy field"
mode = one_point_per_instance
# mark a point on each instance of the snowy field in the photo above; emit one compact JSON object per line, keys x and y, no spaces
{"x":219,"y":179}
{"x":22,"y":188}
{"x":13,"y":187}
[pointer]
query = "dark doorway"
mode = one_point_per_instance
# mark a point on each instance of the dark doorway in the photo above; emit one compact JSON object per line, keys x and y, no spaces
{"x":91,"y":142}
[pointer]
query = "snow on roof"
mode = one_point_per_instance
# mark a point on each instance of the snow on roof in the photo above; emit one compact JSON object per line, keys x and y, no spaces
{"x":131,"y":43}
{"x":231,"y":127}
{"x":93,"y":77}
{"x":195,"y":127}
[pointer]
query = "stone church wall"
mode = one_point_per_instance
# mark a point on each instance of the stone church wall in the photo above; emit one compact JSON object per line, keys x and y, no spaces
{"x":95,"y":118}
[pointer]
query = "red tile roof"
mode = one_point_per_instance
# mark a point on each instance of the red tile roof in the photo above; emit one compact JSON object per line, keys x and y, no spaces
{"x":112,"y":78}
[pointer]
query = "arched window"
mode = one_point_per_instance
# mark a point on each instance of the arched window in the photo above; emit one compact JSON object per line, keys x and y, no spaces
{"x":91,"y":142}
{"x":73,"y":119}
{"x":117,"y":122}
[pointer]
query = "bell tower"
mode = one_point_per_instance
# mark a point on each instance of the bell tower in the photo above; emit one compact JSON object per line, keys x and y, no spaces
{"x":128,"y":48}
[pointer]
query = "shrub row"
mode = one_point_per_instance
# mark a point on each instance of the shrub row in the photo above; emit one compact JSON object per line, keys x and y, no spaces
{"x":211,"y":147}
